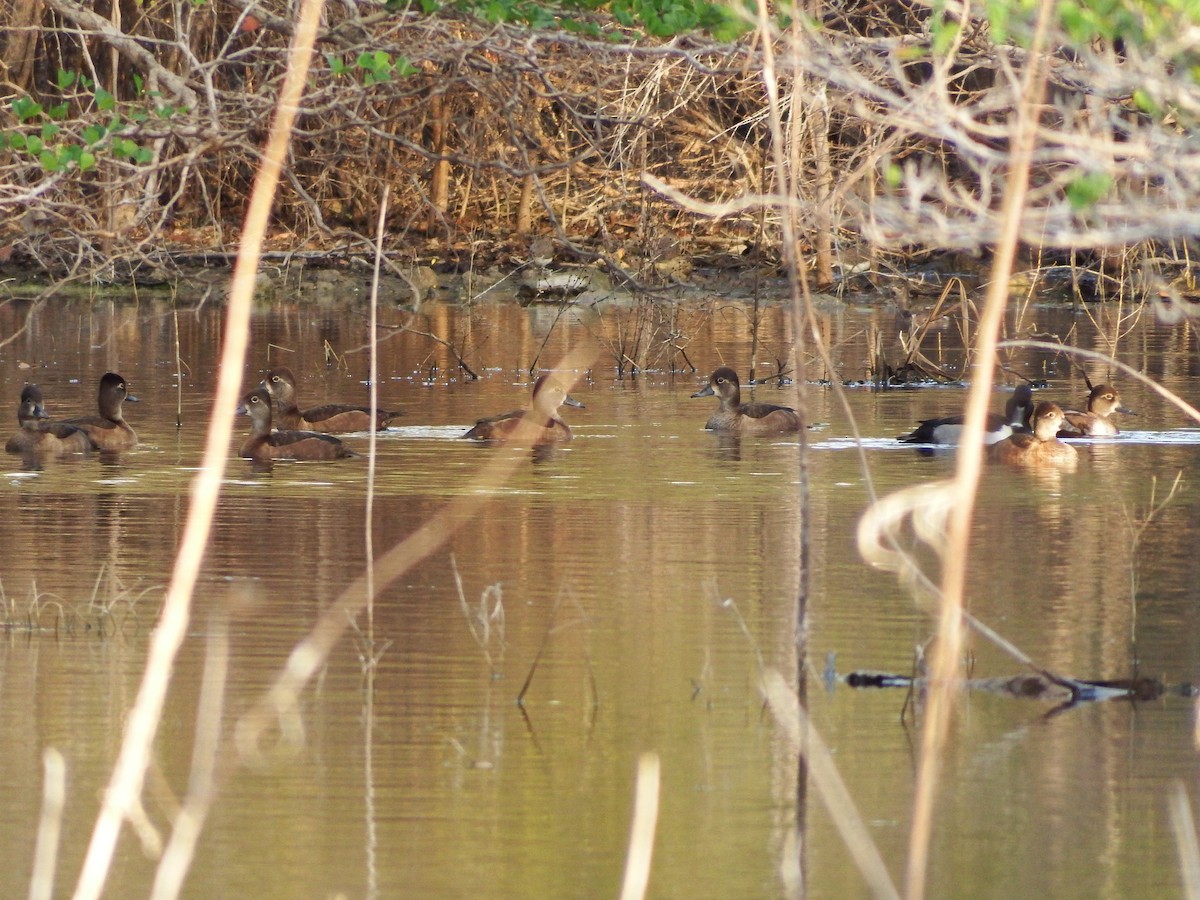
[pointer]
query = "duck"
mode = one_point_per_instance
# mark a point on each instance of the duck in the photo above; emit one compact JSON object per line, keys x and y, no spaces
{"x":109,"y":430}
{"x":37,"y":436}
{"x":1103,"y":401}
{"x":1042,"y":447}
{"x":948,"y":430}
{"x":332,"y":418}
{"x":264,"y":445}
{"x":537,"y":426}
{"x":734,"y":416}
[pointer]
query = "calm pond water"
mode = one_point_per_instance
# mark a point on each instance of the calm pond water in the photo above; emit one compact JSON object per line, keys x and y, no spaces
{"x":645,"y":573}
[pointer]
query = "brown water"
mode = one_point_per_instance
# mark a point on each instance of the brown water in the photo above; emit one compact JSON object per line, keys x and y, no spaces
{"x":645,"y":573}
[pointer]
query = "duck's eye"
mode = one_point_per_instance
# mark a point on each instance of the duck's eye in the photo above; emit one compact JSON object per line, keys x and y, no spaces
{"x":720,"y":381}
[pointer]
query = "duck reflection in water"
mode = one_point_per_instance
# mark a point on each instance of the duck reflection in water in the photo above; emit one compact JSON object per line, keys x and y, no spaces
{"x":39,"y":438}
{"x":1042,"y":448}
{"x":263,"y":445}
{"x":537,"y":427}
{"x":735,"y":417}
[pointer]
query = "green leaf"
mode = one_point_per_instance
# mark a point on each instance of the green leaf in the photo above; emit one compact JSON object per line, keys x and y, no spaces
{"x":93,"y":134}
{"x":943,"y":37}
{"x":1143,"y":101}
{"x":65,"y":79}
{"x":1084,"y":191}
{"x":143,"y":155}
{"x":25,"y":109}
{"x":104,"y":100}
{"x":123,"y":148}
{"x":893,"y":176}
{"x":138,"y":83}
{"x":49,"y":130}
{"x":86,"y":161}
{"x":49,"y":161}
{"x":34,"y":143}
{"x":58,"y":113}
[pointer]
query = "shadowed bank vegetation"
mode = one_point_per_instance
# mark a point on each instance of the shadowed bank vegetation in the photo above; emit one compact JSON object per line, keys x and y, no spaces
{"x":630,"y":133}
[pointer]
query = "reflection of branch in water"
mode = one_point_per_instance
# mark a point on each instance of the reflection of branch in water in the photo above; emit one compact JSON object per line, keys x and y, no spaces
{"x":1137,"y":530}
{"x":1067,"y":692}
{"x":458,"y":357}
{"x":491,"y":609}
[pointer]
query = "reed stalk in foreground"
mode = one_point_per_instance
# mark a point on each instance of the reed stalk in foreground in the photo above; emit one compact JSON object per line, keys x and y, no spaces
{"x":645,"y":825}
{"x":122,"y":800}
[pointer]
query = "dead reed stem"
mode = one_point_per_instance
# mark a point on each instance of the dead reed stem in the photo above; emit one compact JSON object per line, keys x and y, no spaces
{"x":45,"y":856}
{"x":947,"y":650}
{"x":202,"y":782}
{"x":368,"y":529}
{"x":799,"y":730}
{"x":1184,"y":826}
{"x":123,"y":796}
{"x":785,"y":160}
{"x":645,"y":825}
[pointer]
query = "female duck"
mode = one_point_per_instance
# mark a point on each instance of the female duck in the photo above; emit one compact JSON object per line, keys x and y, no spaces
{"x":948,"y":430}
{"x":538,"y":426}
{"x":1042,"y":448}
{"x":263,"y":445}
{"x":109,"y":430}
{"x":43,"y":438}
{"x":744,"y":418}
{"x":1103,"y":401}
{"x":328,"y":419}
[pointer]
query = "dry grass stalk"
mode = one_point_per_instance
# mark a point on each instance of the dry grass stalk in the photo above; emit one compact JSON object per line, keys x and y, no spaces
{"x":947,"y":651}
{"x":125,"y":786}
{"x":54,"y":795}
{"x":799,"y":730}
{"x":1184,"y":826}
{"x":202,"y":783}
{"x":645,"y":825}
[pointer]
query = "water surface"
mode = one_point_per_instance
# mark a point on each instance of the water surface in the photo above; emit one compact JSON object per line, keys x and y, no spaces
{"x":646,"y":574}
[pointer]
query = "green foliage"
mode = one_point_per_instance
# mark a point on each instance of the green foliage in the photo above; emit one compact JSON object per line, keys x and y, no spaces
{"x":666,"y":18}
{"x":724,"y":21}
{"x":1135,"y":22}
{"x":1087,"y":189}
{"x":58,"y":147}
{"x":374,"y":67}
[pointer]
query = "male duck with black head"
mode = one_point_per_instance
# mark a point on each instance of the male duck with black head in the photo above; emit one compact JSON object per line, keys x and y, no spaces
{"x":537,"y":426}
{"x":109,"y":430}
{"x":332,"y":418}
{"x":264,"y":445}
{"x":1042,"y":448}
{"x":735,"y":417}
{"x":948,"y":430}
{"x":1103,"y":401}
{"x":41,"y":438}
